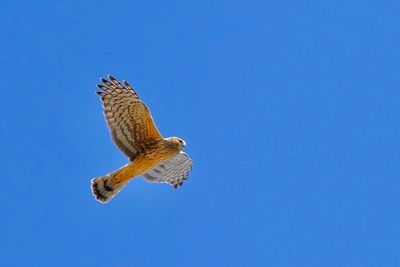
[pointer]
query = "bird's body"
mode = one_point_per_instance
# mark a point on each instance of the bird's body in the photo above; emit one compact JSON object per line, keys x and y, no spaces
{"x":158,"y":159}
{"x":144,"y":162}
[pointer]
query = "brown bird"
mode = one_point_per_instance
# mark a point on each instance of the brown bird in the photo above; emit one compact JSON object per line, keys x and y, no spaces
{"x":133,"y":131}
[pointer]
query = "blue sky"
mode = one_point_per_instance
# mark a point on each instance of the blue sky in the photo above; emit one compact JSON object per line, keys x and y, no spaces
{"x":290,"y":110}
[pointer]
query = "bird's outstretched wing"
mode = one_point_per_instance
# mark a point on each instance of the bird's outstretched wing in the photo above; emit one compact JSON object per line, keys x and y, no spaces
{"x":173,"y":171}
{"x":128,"y":118}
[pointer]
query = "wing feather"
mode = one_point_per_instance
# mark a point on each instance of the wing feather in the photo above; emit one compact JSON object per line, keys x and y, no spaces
{"x":173,"y":171}
{"x":128,"y":118}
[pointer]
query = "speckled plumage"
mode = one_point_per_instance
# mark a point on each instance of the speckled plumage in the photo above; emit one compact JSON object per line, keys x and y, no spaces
{"x":133,"y":131}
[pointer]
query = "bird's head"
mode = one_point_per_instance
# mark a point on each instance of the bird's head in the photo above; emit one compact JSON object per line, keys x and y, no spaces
{"x":176,"y":142}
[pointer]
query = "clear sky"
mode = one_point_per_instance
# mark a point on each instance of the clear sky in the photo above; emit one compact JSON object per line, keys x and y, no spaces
{"x":290,"y":110}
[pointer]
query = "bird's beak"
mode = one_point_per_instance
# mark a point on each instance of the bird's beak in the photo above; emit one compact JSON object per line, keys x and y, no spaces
{"x":183,"y":143}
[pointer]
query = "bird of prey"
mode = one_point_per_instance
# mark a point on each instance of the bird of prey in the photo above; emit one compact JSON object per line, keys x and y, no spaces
{"x":133,"y":131}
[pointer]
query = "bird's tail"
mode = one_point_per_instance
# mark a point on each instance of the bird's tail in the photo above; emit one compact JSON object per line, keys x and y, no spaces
{"x":105,"y":188}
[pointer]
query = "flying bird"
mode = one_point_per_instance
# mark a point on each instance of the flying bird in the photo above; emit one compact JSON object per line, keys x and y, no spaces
{"x":133,"y":131}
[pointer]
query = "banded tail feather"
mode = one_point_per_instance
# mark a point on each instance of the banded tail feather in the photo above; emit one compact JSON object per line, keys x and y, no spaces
{"x":104,"y":188}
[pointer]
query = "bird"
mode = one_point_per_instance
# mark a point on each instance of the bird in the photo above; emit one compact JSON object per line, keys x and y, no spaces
{"x":133,"y":131}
